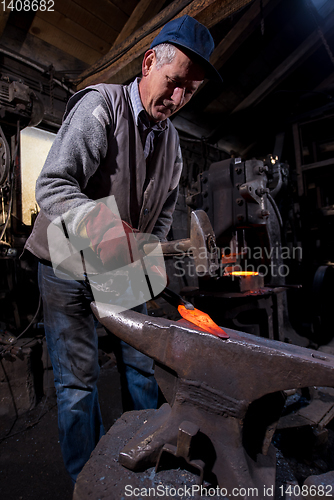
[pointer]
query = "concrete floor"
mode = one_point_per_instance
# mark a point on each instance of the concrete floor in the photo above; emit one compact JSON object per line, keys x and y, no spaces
{"x":31,"y":465}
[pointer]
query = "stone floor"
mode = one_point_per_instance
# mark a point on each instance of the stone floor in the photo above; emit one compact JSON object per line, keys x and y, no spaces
{"x":31,"y":466}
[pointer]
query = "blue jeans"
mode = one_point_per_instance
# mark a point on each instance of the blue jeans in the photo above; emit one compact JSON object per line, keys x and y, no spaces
{"x":73,"y":348}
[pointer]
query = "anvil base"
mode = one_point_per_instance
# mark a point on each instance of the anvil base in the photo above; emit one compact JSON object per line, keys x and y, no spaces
{"x":103,"y":477}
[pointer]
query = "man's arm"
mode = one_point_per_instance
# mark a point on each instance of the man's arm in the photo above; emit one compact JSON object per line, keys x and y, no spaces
{"x":77,"y":151}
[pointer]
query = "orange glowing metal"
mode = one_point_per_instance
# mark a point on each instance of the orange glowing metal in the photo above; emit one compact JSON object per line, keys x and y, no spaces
{"x":244,"y":273}
{"x":202,"y":320}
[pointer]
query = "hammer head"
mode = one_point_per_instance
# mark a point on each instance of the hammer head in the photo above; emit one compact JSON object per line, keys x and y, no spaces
{"x":203,"y":244}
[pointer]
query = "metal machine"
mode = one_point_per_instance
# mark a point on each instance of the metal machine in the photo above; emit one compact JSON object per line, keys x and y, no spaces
{"x":250,"y":286}
{"x":19,"y":107}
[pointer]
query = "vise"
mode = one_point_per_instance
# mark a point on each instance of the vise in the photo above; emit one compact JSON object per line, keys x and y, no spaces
{"x":224,"y":397}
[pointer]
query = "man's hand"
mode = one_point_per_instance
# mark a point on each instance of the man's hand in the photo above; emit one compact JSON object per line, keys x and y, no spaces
{"x":117,"y":244}
{"x":114,"y":241}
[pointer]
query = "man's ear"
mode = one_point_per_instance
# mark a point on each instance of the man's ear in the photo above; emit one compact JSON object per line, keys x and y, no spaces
{"x":148,"y":62}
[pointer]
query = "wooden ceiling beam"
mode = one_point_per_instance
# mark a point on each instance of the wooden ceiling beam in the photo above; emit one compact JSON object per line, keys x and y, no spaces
{"x":241,"y":31}
{"x":72,"y":29}
{"x":217,"y":11}
{"x":136,"y":19}
{"x":326,"y":84}
{"x":131,"y":49}
{"x":87,"y":20}
{"x":4,"y":15}
{"x":126,"y":6}
{"x":63,"y":41}
{"x":104,"y":10}
{"x":304,"y":50}
{"x":94,"y":73}
{"x":127,"y":73}
{"x":226,"y":48}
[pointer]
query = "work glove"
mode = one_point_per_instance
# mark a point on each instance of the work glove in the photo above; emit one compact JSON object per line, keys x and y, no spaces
{"x":117,"y":245}
{"x":113,"y":240}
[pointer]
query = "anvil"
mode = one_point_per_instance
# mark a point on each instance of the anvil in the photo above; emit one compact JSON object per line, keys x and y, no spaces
{"x":223,"y":396}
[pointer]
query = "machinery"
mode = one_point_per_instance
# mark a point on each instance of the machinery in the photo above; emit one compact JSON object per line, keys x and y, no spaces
{"x":19,"y":107}
{"x":30,"y":96}
{"x":249,"y":290}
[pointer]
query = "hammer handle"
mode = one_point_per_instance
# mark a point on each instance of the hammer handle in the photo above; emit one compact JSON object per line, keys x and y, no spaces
{"x":169,"y":247}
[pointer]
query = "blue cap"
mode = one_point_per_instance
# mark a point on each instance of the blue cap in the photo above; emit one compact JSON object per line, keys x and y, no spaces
{"x":187,"y":33}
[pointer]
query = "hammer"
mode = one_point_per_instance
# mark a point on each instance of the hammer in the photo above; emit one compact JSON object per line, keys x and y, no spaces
{"x":201,"y":245}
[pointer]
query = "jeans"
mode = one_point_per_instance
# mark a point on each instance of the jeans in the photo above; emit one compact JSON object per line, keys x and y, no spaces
{"x":70,"y":330}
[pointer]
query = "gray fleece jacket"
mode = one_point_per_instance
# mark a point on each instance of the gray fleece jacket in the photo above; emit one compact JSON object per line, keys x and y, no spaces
{"x":98,"y":152}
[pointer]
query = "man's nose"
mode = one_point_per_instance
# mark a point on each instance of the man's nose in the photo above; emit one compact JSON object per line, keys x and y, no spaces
{"x":178,"y":96}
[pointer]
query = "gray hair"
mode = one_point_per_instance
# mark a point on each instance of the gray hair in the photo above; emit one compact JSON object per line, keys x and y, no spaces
{"x":165,"y":53}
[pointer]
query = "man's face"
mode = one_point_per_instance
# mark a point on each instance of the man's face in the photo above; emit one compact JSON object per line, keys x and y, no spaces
{"x":165,"y":90}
